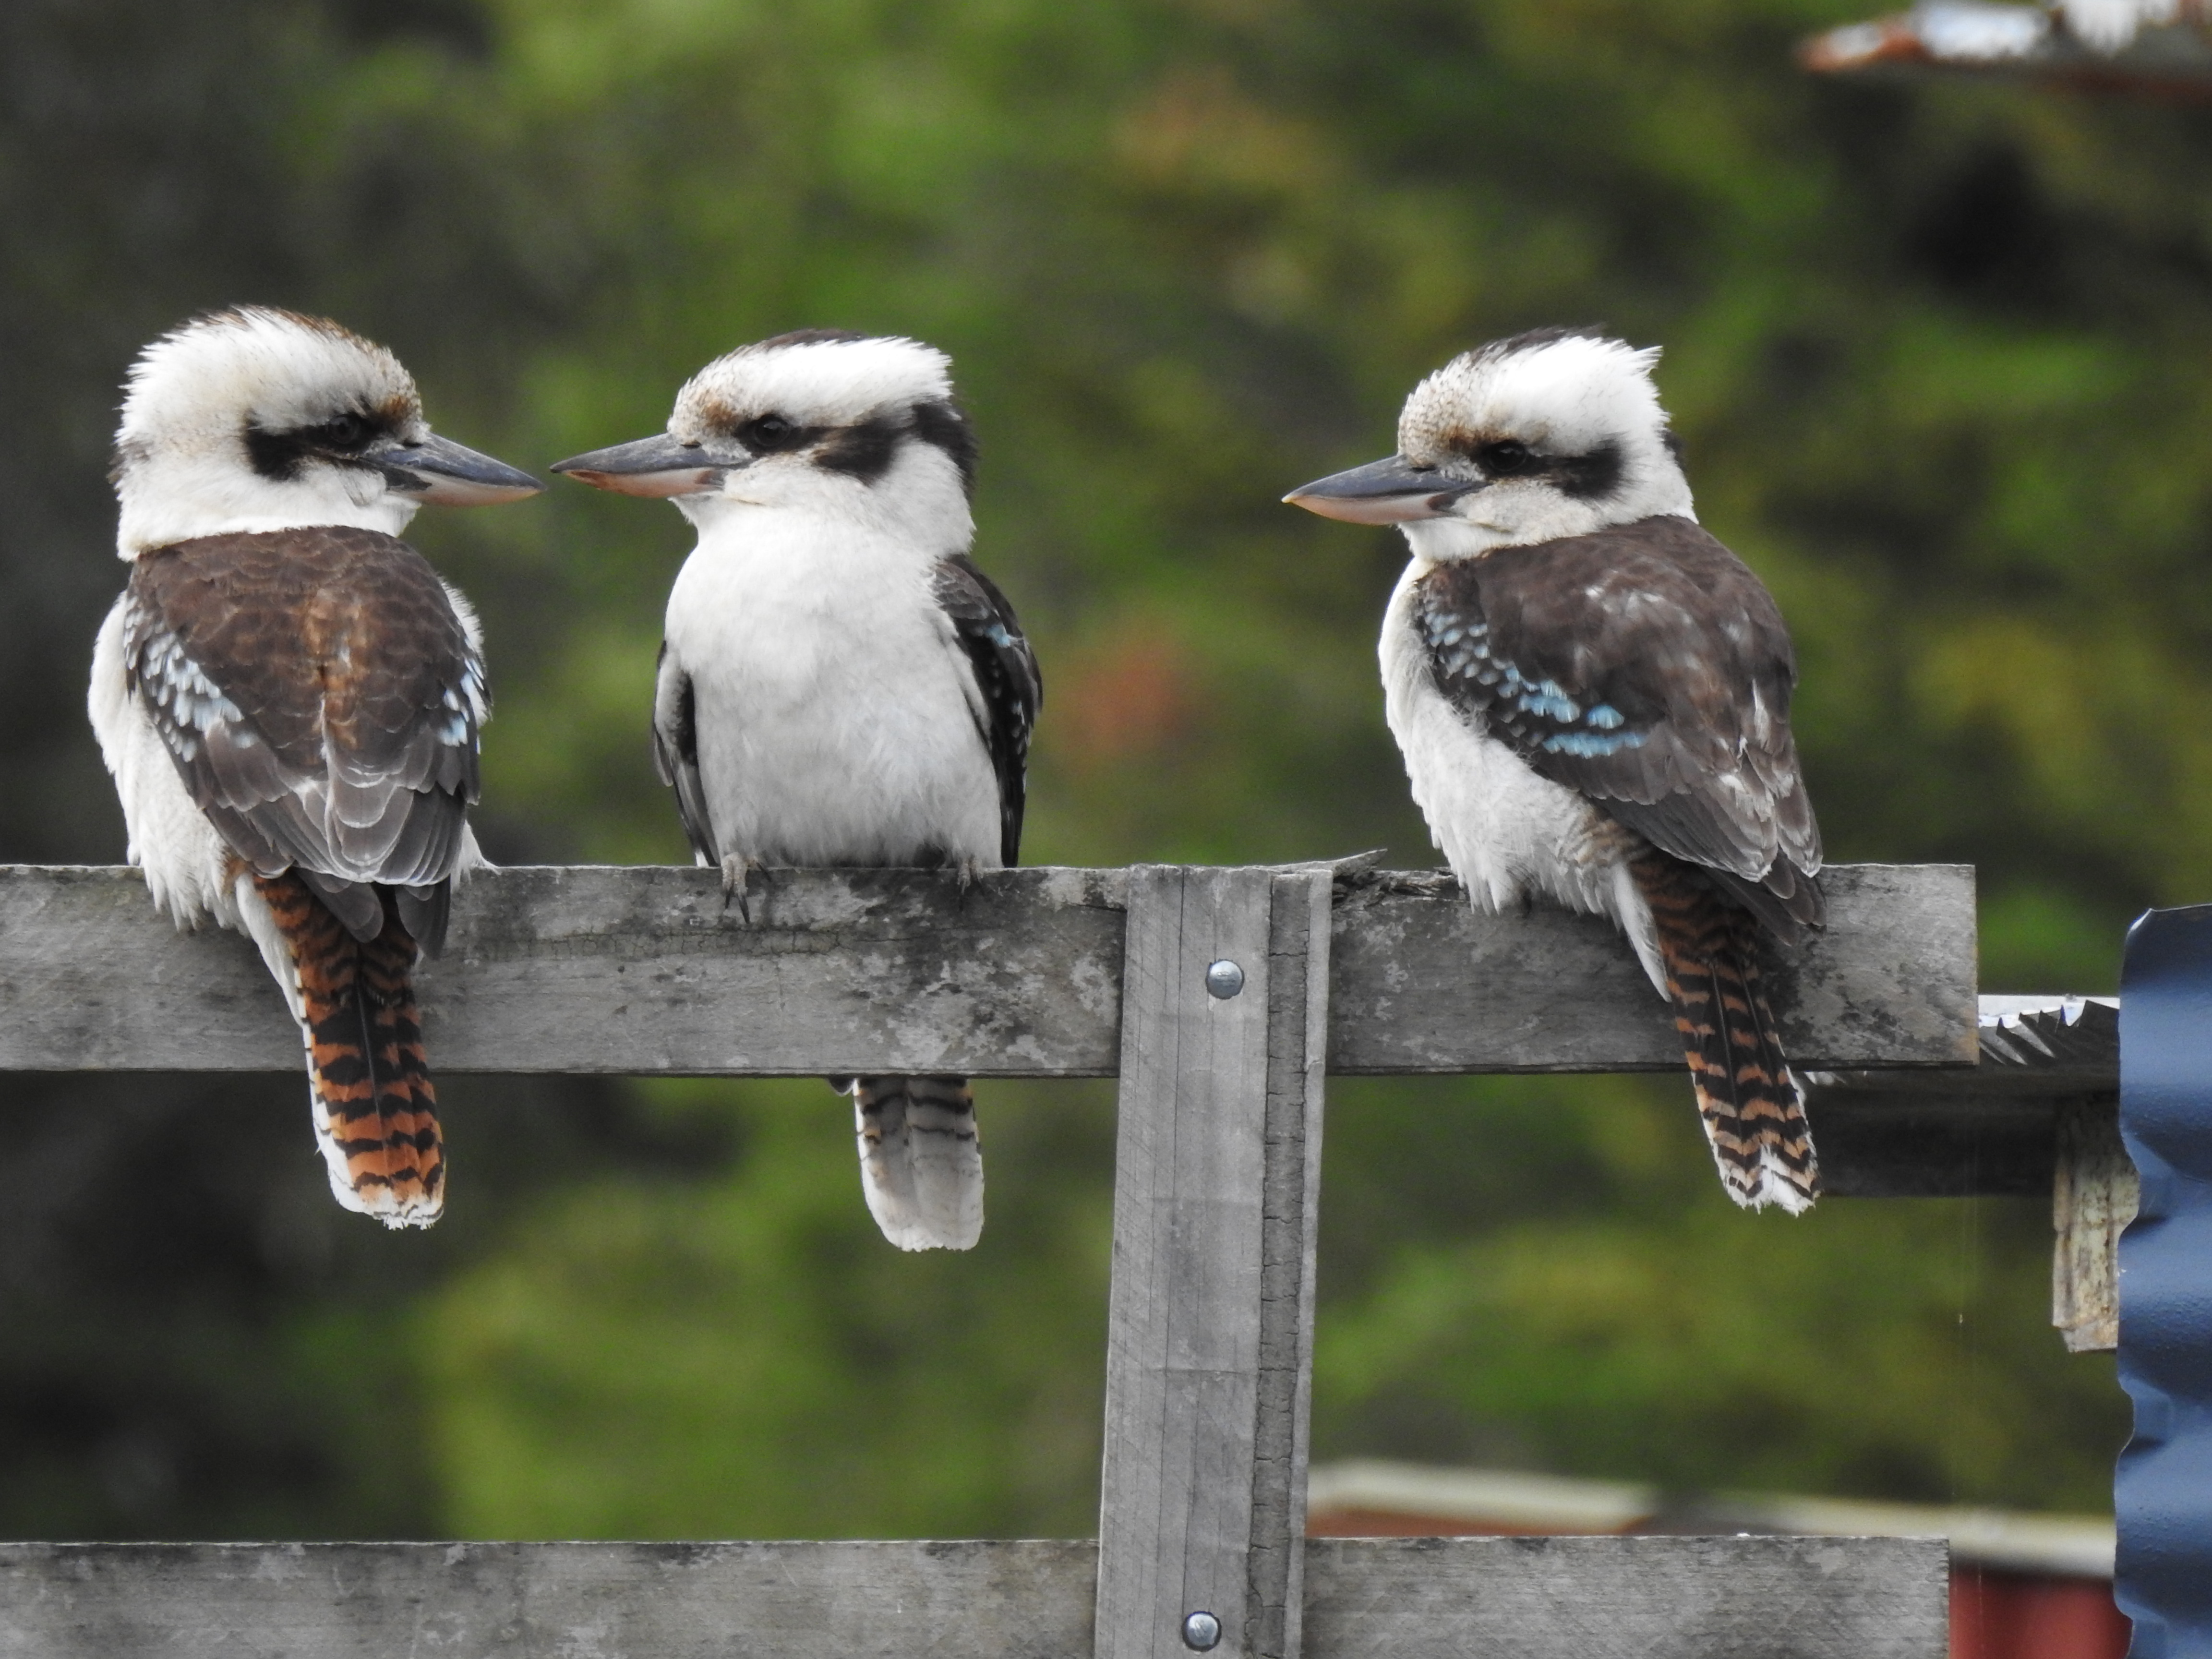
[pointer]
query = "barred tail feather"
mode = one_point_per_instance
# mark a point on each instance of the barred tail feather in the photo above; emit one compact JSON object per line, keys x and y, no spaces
{"x":376,"y":1111}
{"x":921,"y":1168}
{"x":1748,"y":1098}
{"x":412,"y":1157}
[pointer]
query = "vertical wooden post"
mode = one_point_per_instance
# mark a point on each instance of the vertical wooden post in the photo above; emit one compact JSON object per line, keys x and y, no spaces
{"x":1211,"y":1331}
{"x":2093,"y":1197}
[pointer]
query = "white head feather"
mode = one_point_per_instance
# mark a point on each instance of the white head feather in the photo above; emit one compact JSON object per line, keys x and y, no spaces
{"x":1585,"y":403}
{"x":183,"y":464}
{"x":832,"y":381}
{"x":837,"y":387}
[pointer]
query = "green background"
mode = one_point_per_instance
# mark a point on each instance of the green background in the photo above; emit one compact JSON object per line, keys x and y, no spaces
{"x":1938,"y":353}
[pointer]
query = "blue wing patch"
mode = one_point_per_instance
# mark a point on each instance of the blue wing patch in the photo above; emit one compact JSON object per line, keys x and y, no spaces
{"x":1529,"y":713}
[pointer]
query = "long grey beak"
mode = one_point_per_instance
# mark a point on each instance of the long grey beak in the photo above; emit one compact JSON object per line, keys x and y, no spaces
{"x":659,"y":466}
{"x":438,"y":470}
{"x":1391,"y":491}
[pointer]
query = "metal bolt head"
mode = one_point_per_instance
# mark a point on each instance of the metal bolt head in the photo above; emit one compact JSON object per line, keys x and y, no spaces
{"x":1223,"y":980}
{"x":1202,"y":1630}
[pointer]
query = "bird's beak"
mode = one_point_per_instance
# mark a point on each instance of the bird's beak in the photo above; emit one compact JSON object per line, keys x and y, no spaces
{"x":658,"y":465}
{"x":437,"y":469}
{"x":1390,"y":491}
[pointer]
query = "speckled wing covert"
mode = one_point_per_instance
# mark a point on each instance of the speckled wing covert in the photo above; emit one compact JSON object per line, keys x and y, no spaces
{"x":322,"y":701}
{"x":1646,"y":667}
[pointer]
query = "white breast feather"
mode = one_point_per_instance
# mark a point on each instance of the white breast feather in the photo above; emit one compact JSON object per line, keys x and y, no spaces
{"x":831,"y":699}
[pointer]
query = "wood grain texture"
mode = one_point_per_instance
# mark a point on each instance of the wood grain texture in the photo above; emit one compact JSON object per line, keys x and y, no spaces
{"x":1297,"y":1043}
{"x":807,"y":1601}
{"x":2094,"y":1193}
{"x":643,"y":971}
{"x":598,"y":970}
{"x":1422,"y":982}
{"x":1531,"y":1598}
{"x":1183,"y":1315}
{"x":1628,"y":1598}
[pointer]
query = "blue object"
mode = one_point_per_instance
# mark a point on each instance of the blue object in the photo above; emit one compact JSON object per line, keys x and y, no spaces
{"x":2163,"y":1489}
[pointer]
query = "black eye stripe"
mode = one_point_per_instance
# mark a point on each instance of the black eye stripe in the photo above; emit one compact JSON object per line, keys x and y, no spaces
{"x":1583,"y":477}
{"x":1598,"y":473}
{"x":865,"y":449}
{"x":942,"y":423}
{"x":281,"y":454}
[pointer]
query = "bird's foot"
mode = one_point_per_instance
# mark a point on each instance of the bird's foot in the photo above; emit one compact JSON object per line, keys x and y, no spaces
{"x":737,"y":871}
{"x":966,"y":873}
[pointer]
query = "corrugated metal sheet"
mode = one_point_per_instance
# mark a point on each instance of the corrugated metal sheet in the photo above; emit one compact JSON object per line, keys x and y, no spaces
{"x":2163,"y":1490}
{"x":2126,"y":45}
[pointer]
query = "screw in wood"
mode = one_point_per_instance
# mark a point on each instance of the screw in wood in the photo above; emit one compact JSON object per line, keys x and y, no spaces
{"x":1223,"y":980}
{"x":1201,"y":1630}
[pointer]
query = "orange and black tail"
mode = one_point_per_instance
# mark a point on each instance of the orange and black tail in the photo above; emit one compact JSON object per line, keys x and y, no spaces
{"x":1753,"y":1111}
{"x":376,"y":1113}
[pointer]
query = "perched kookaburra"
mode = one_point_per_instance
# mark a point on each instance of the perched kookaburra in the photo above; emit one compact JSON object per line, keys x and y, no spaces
{"x":289,"y":698}
{"x":1592,"y":696}
{"x":839,"y":684}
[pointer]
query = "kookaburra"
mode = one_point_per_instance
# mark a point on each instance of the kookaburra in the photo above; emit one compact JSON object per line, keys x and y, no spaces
{"x":289,"y":696}
{"x":1592,"y":696}
{"x":839,"y":684}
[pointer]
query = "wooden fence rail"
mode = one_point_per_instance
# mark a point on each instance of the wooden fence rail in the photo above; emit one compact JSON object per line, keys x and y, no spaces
{"x":1220,"y":998}
{"x":645,"y":970}
{"x":1428,"y":1598}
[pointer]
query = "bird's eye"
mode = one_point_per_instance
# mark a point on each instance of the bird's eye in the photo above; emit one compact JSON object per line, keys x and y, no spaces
{"x":345,"y":433}
{"x":771,"y":432}
{"x":1506,"y":458}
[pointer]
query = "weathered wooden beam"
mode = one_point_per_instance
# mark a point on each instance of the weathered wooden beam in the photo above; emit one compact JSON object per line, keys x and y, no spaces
{"x":1209,"y":1323}
{"x":2093,"y":1197}
{"x":1533,"y":1598}
{"x":644,"y":970}
{"x":1628,"y":1598}
{"x":601,"y":969}
{"x":1422,"y":983}
{"x":1298,"y":951}
{"x":1992,"y":1131}
{"x":739,"y":1600}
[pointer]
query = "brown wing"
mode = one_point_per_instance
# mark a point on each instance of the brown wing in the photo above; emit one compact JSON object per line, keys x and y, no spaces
{"x":1646,"y":667}
{"x":319,"y":696}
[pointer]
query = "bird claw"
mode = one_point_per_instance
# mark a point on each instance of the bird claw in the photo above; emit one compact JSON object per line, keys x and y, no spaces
{"x":737,"y":871}
{"x":966,"y":873}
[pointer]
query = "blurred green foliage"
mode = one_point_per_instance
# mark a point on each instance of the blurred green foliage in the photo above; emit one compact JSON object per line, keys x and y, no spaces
{"x":1938,"y":353}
